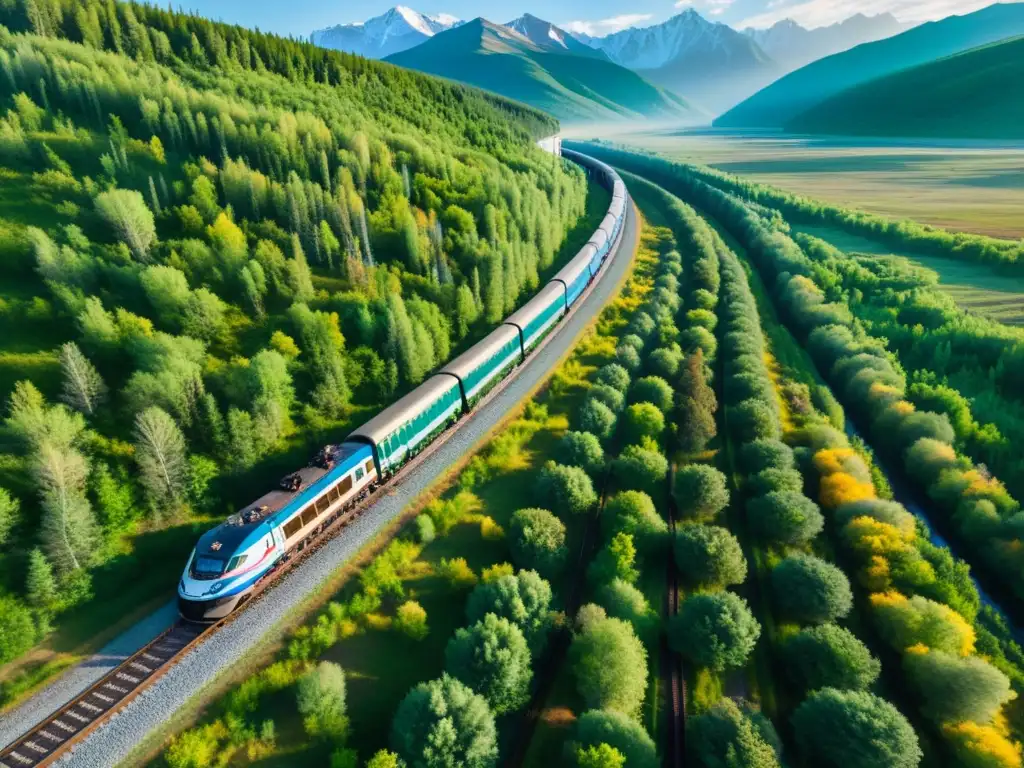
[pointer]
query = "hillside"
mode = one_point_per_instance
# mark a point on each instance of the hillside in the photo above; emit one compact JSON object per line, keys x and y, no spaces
{"x":219,"y":249}
{"x":978,"y":94}
{"x":797,"y":92}
{"x":571,"y":87}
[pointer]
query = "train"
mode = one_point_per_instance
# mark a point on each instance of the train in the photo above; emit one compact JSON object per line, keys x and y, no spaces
{"x":230,"y":561}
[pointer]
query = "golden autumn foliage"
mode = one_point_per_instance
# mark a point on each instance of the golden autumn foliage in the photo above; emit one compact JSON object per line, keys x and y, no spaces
{"x":876,"y":576}
{"x":982,"y":746}
{"x":828,"y":461}
{"x":868,"y":536}
{"x":907,"y":623}
{"x":841,"y":488}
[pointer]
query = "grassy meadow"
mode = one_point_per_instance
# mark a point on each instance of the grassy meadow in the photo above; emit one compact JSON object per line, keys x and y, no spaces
{"x":974,"y":186}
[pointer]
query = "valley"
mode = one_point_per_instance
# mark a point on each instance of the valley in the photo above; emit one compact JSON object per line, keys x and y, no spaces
{"x":973,"y":186}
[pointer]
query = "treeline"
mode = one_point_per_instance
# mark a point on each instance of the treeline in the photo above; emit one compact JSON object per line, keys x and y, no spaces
{"x":898,"y":233}
{"x":965,"y":366}
{"x":905,"y":573}
{"x":214,"y":254}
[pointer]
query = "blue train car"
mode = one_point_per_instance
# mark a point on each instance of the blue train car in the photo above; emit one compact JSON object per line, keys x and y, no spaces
{"x":229,"y":560}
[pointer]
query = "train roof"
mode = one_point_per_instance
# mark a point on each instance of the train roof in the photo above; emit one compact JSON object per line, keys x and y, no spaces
{"x":279,"y":503}
{"x":535,"y":306}
{"x":462,"y":365}
{"x":387,"y":421}
{"x":579,"y":264}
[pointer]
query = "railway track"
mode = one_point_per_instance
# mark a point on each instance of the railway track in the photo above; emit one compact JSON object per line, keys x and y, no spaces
{"x":73,"y":721}
{"x":54,"y":736}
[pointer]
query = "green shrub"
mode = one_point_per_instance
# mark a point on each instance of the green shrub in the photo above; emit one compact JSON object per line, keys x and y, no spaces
{"x":633,"y":512}
{"x":493,"y":659}
{"x":620,"y":732}
{"x":609,"y":664}
{"x":425,"y":530}
{"x":655,"y":390}
{"x":411,"y":620}
{"x":567,"y":490}
{"x":716,"y":631}
{"x":597,"y":418}
{"x":320,"y":695}
{"x":784,"y":518}
{"x":828,"y":656}
{"x":582,"y":449}
{"x":643,"y":420}
{"x":524,"y":599}
{"x":537,"y":540}
{"x":444,"y":723}
{"x":854,"y":729}
{"x":709,"y":556}
{"x":811,"y":591}
{"x":613,"y":375}
{"x":640,"y":469}
{"x":701,"y":491}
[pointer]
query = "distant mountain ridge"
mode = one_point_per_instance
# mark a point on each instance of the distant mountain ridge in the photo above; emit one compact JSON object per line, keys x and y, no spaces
{"x":708,"y":63}
{"x":547,"y":36}
{"x":547,"y":75}
{"x":794,"y":46}
{"x":977,"y":94}
{"x":780,"y":103}
{"x":394,"y":31}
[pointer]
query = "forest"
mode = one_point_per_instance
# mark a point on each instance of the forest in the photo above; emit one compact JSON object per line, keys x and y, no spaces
{"x":945,"y":650}
{"x":221,"y":248}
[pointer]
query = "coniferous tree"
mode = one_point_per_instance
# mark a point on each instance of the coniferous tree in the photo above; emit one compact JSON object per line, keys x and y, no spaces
{"x":161,"y":455}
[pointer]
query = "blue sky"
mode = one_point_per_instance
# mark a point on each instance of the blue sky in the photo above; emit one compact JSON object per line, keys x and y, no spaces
{"x":299,"y":17}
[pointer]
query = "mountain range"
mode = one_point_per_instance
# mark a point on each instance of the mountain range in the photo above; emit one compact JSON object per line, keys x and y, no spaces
{"x":708,"y":64}
{"x":543,"y":70}
{"x":780,"y":104}
{"x":396,"y":30}
{"x":793,"y":46}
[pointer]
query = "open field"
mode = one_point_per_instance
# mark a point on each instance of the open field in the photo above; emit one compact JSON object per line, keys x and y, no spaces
{"x":974,"y":186}
{"x":975,"y":287}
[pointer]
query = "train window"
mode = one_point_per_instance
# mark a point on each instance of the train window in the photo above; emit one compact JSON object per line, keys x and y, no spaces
{"x":345,"y":485}
{"x":308,"y":514}
{"x":293,"y":526}
{"x":323,"y":503}
{"x":237,"y":562}
{"x":208,"y":566}
{"x":368,"y":466}
{"x":359,"y":473}
{"x":333,"y":494}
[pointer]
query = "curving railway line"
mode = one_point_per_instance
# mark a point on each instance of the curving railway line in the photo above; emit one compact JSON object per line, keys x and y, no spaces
{"x":71,"y":724}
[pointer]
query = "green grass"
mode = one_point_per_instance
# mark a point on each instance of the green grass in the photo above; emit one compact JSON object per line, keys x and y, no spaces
{"x":969,"y":186}
{"x":976,"y":287}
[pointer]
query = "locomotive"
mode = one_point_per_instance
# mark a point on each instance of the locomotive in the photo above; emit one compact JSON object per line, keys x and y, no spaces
{"x":230,"y":560}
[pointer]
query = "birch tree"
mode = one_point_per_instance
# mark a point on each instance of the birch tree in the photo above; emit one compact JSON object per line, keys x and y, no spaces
{"x":126,"y":212}
{"x":84,"y":389}
{"x":160,"y":454}
{"x":68,"y":527}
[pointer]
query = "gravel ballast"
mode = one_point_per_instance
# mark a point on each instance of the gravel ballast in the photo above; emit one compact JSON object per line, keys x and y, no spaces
{"x":114,"y":740}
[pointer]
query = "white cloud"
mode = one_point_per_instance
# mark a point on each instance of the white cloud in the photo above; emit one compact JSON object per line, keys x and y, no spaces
{"x":820,"y":13}
{"x":606,"y":26}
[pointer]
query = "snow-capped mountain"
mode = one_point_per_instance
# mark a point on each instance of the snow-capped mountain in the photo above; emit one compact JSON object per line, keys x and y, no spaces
{"x":396,"y":30}
{"x":548,"y":37}
{"x":793,"y":46}
{"x":708,"y":63}
{"x":683,"y":36}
